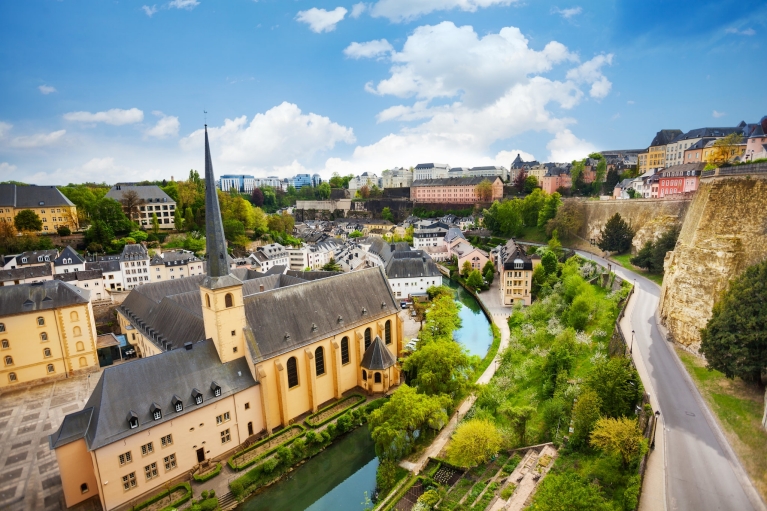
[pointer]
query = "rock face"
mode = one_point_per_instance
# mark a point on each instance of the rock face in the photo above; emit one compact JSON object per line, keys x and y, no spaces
{"x":653,"y":229}
{"x":724,"y":232}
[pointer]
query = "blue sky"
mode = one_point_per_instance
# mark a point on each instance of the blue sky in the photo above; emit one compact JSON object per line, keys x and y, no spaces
{"x":108,"y":91}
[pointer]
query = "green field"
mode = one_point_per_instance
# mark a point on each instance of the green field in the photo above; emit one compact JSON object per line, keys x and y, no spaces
{"x":623,"y":259}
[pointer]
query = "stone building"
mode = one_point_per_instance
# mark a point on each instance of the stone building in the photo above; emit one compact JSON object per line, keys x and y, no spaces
{"x":453,"y":190}
{"x":52,"y":206}
{"x":151,"y":201}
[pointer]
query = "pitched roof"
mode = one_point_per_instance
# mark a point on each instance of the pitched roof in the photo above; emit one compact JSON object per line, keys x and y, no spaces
{"x":411,"y":263}
{"x":32,"y":196}
{"x":47,"y":295}
{"x":68,"y":253}
{"x":453,"y":233}
{"x":147,"y":193}
{"x":106,"y":266}
{"x":215,"y":243}
{"x":78,"y":275}
{"x":377,"y":357}
{"x":26,"y":272}
{"x":664,"y":137}
{"x":134,"y":252}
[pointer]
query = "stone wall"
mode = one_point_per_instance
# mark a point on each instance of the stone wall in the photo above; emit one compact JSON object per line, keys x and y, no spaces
{"x":724,"y":232}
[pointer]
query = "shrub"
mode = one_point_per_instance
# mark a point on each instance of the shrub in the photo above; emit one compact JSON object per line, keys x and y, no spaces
{"x":237,"y":489}
{"x":508,"y":491}
{"x":209,"y":504}
{"x":210,"y":475}
{"x":63,"y":230}
{"x":270,"y":464}
{"x":204,"y":494}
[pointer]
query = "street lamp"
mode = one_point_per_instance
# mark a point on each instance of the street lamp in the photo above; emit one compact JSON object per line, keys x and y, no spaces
{"x":655,"y":429}
{"x":631,"y":348}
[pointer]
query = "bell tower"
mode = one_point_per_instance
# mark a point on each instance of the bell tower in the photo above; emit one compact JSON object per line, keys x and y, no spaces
{"x":223,"y":308}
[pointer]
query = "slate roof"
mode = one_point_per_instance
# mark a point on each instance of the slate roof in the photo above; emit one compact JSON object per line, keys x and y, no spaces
{"x":135,"y":386}
{"x":47,"y":295}
{"x":135,"y":252}
{"x":377,"y":357}
{"x":106,"y":266}
{"x":79,"y":275}
{"x":410,"y":264}
{"x":26,"y":272}
{"x":452,"y":234}
{"x":511,"y":252}
{"x":34,"y":255}
{"x":31,"y":196}
{"x":68,"y":253}
{"x":708,"y":132}
{"x":431,"y":165}
{"x":450,"y":181}
{"x":148,"y":193}
{"x":664,"y":137}
{"x":686,"y":169}
{"x":214,"y":228}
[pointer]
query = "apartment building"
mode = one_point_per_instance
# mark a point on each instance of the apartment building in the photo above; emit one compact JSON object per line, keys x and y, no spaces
{"x":52,"y":206}
{"x":453,"y":190}
{"x":173,"y":265}
{"x":151,"y":201}
{"x":516,"y":273}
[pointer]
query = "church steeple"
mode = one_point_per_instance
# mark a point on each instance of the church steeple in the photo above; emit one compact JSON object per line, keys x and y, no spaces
{"x":214,"y":228}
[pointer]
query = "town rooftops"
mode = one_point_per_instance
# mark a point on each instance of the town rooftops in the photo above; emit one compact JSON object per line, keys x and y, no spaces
{"x":147,"y":193}
{"x":405,"y":264}
{"x":36,"y":257}
{"x":686,"y":169}
{"x":451,"y":181}
{"x":423,"y":166}
{"x":79,"y":275}
{"x":26,"y":273}
{"x":32,"y":196}
{"x":664,"y":137}
{"x":377,"y":357}
{"x":47,"y":295}
{"x":515,"y":258}
{"x":134,"y":252}
{"x":68,"y":256}
{"x":106,"y":266}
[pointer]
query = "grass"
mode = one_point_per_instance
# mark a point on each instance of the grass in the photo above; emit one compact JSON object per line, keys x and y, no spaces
{"x":534,"y":235}
{"x":738,"y":408}
{"x":623,"y":259}
{"x":491,"y":353}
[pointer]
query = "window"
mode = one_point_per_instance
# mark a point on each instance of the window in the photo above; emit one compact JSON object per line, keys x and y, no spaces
{"x":367,"y":338}
{"x":197,"y":396}
{"x":43,"y":336}
{"x":387,"y":331}
{"x":47,"y":352}
{"x":79,"y":346}
{"x":150,"y":471}
{"x":229,"y":300}
{"x":170,"y":462}
{"x":51,"y":369}
{"x":178,"y":406}
{"x":6,"y":344}
{"x":247,"y":406}
{"x":292,"y":373}
{"x":147,"y":449}
{"x":220,"y":419}
{"x":2,"y":327}
{"x":84,"y":488}
{"x":157,"y":414}
{"x":225,"y":436}
{"x":40,"y":321}
{"x":73,"y":316}
{"x":12,"y":377}
{"x":216,"y":388}
{"x":377,"y":378}
{"x":364,"y":375}
{"x":166,"y":440}
{"x":132,"y":420}
{"x":129,"y":481}
{"x":125,"y":458}
{"x":319,"y":361}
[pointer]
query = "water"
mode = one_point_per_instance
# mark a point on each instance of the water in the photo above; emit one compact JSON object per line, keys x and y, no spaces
{"x":336,"y":479}
{"x":475,"y":333}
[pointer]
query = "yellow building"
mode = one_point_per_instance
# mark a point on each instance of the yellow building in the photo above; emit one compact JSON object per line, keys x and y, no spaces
{"x":655,"y":157}
{"x":53,"y":208}
{"x":225,"y":356}
{"x":173,"y":265}
{"x":516,"y":273}
{"x":710,"y":152}
{"x":47,"y":331}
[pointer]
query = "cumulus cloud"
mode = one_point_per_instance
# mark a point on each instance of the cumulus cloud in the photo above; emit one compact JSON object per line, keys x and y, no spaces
{"x":28,"y":141}
{"x":6,"y":168}
{"x":590,"y":72}
{"x":357,"y":10}
{"x":746,"y":31}
{"x":566,"y":147}
{"x":279,"y":135}
{"x":567,"y":13}
{"x":47,"y":89}
{"x":149,"y":11}
{"x":400,"y":11}
{"x":717,"y":114}
{"x":320,"y":20}
{"x":167,"y":126}
{"x":115,"y":116}
{"x":368,"y":49}
{"x":183,"y":4}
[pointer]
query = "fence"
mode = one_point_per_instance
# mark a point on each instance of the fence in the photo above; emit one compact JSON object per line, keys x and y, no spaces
{"x":736,"y":170}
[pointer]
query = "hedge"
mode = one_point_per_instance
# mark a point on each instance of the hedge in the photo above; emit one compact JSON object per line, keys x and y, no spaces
{"x":164,"y":494}
{"x":237,"y":468}
{"x":209,"y":475}
{"x":359,"y":400}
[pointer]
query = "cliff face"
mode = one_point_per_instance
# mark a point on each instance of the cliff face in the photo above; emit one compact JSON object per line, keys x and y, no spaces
{"x":724,"y":232}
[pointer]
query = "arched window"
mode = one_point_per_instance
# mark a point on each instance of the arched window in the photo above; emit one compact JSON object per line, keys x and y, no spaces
{"x":387,"y":331}
{"x":367,"y":338}
{"x":79,"y":346}
{"x":345,"y":350}
{"x":11,"y":377}
{"x":319,"y":361}
{"x":229,"y":300}
{"x":6,"y":344}
{"x":377,"y":378}
{"x":292,"y":372}
{"x":73,"y":316}
{"x":51,"y":368}
{"x":207,"y":300}
{"x":47,"y":352}
{"x":77,"y":332}
{"x":43,"y":336}
{"x":83,"y":362}
{"x":40,"y":321}
{"x":9,"y":361}
{"x":364,"y":375}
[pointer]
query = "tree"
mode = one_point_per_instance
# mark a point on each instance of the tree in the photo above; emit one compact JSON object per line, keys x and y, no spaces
{"x":633,"y":194}
{"x":355,"y":234}
{"x":586,"y":412}
{"x":387,"y":215}
{"x":619,"y":437}
{"x":63,"y":230}
{"x":466,"y":268}
{"x":484,"y":191}
{"x":138,"y":235}
{"x":474,"y":442}
{"x":99,"y":233}
{"x":323,"y":191}
{"x":549,"y":263}
{"x":155,"y":224}
{"x":653,"y":254}
{"x":27,"y":220}
{"x":519,"y":181}
{"x":489,"y":266}
{"x":439,"y":367}
{"x":111,"y":213}
{"x":549,"y":209}
{"x":364,"y":191}
{"x":613,"y":178}
{"x":531,"y":183}
{"x":518,"y":417}
{"x":386,"y":476}
{"x":538,"y":280}
{"x":532,"y":206}
{"x":233,"y":229}
{"x":474,"y":280}
{"x":618,"y":386}
{"x":734,"y":340}
{"x":8,"y":234}
{"x":568,"y":491}
{"x":257,"y":197}
{"x":489,"y":276}
{"x":130,"y":200}
{"x":332,"y":265}
{"x":725,"y":149}
{"x":568,"y":220}
{"x":616,"y":236}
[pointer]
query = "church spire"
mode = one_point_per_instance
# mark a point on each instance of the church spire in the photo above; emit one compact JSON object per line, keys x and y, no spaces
{"x":215,"y":243}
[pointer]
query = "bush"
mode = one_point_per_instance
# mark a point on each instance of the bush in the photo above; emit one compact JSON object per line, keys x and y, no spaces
{"x":508,"y":491}
{"x":209,"y":475}
{"x":204,"y":494}
{"x":351,"y":401}
{"x":237,"y":489}
{"x":209,"y":504}
{"x":63,"y":230}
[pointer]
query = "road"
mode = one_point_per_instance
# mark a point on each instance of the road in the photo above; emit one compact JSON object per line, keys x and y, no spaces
{"x":702,"y":473}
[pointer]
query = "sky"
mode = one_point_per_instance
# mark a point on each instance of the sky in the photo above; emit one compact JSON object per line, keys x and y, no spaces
{"x":108,"y":91}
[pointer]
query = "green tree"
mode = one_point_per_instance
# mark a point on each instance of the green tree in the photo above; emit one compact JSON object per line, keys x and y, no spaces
{"x":489,"y":275}
{"x":474,"y":280}
{"x":387,"y":215}
{"x":473,"y":443}
{"x":332,"y":265}
{"x":586,"y":412}
{"x":189,"y":223}
{"x":549,"y":263}
{"x":616,"y":236}
{"x":155,"y":224}
{"x":99,"y":233}
{"x":619,"y":437}
{"x":518,"y":417}
{"x":653,"y":254}
{"x":538,"y":280}
{"x":618,"y":386}
{"x":532,"y":205}
{"x":734,"y":340}
{"x":111,"y":213}
{"x":612,"y":179}
{"x":568,"y":220}
{"x":484,"y":190}
{"x":531,"y":183}
{"x":439,"y":367}
{"x":355,"y":234}
{"x":194,"y":242}
{"x":27,"y":220}
{"x":63,"y":230}
{"x":549,"y":209}
{"x":466,"y":268}
{"x":568,"y":492}
{"x":138,"y":236}
{"x":489,"y":266}
{"x":386,"y":476}
{"x":233,"y":229}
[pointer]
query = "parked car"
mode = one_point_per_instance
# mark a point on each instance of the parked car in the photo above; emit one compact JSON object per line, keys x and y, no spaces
{"x":403,"y":305}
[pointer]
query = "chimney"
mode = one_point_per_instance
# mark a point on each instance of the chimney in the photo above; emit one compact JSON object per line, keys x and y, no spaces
{"x":188,"y":346}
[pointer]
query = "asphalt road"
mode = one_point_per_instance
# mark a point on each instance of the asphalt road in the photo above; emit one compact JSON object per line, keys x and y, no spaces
{"x":702,"y":472}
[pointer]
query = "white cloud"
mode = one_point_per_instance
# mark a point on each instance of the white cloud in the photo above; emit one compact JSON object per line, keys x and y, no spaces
{"x":320,"y":20}
{"x":115,"y":116}
{"x":4,"y":128}
{"x":184,"y":4}
{"x":407,"y":10}
{"x":591,"y":72}
{"x":47,"y":89}
{"x":281,"y":134}
{"x":149,"y":11}
{"x":35,"y":141}
{"x":167,"y":126}
{"x":567,"y":13}
{"x":566,"y":147}
{"x":368,"y":49}
{"x":5,"y":169}
{"x":746,"y":31}
{"x":630,"y":102}
{"x":717,"y":114}
{"x":357,"y":10}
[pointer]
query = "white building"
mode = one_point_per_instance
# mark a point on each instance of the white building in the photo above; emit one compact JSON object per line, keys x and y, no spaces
{"x":269,"y":256}
{"x":68,"y":261}
{"x":134,"y":263}
{"x":397,"y":178}
{"x":153,"y":201}
{"x":111,"y":272}
{"x":431,"y":171}
{"x":90,"y":280}
{"x":429,"y":237}
{"x":311,"y":256}
{"x":489,"y":171}
{"x":365,"y":179}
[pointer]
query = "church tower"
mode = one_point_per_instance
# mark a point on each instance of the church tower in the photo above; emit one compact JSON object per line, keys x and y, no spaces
{"x":223,"y":310}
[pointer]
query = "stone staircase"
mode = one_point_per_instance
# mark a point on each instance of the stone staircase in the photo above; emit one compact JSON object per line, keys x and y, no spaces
{"x":227,"y":501}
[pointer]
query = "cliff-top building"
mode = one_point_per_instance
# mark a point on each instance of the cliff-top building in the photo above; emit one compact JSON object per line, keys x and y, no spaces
{"x":226,"y":356}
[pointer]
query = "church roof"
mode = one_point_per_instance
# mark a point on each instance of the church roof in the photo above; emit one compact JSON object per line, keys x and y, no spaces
{"x":47,"y":295}
{"x":377,"y":357}
{"x":214,"y":229}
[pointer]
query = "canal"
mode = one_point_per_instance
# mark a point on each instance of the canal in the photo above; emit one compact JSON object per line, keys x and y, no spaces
{"x":338,"y":477}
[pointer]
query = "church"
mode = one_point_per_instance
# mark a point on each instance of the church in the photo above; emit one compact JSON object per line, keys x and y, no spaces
{"x":226,"y":356}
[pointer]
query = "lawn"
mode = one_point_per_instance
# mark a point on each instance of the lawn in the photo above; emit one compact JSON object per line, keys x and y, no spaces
{"x":623,"y":259}
{"x":533,"y":235}
{"x":738,"y":407}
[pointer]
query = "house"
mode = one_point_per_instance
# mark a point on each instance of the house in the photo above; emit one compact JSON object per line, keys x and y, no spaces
{"x":453,"y":190}
{"x":431,"y":171}
{"x":226,"y":356}
{"x":516,"y":274}
{"x":269,"y":256}
{"x":52,"y":206}
{"x":150,"y":201}
{"x":555,"y":179}
{"x":397,"y":178}
{"x":756,"y":144}
{"x":173,"y":265}
{"x":676,"y":151}
{"x":30,"y":259}
{"x":365,"y":179}
{"x":242,"y":183}
{"x":428,"y":237}
{"x":89,"y":280}
{"x":679,"y":179}
{"x":465,"y":252}
{"x":409,"y":272}
{"x":655,"y":157}
{"x":68,"y":261}
{"x":47,"y":331}
{"x":26,"y":275}
{"x":111,"y":272}
{"x":134,"y":263}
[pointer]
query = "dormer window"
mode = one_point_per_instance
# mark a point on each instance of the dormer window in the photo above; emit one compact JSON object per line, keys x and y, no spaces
{"x":156,"y":411}
{"x":132,"y":420}
{"x":178,"y":405}
{"x":197,"y":396}
{"x":518,"y":264}
{"x":23,"y":259}
{"x":216,"y":388}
